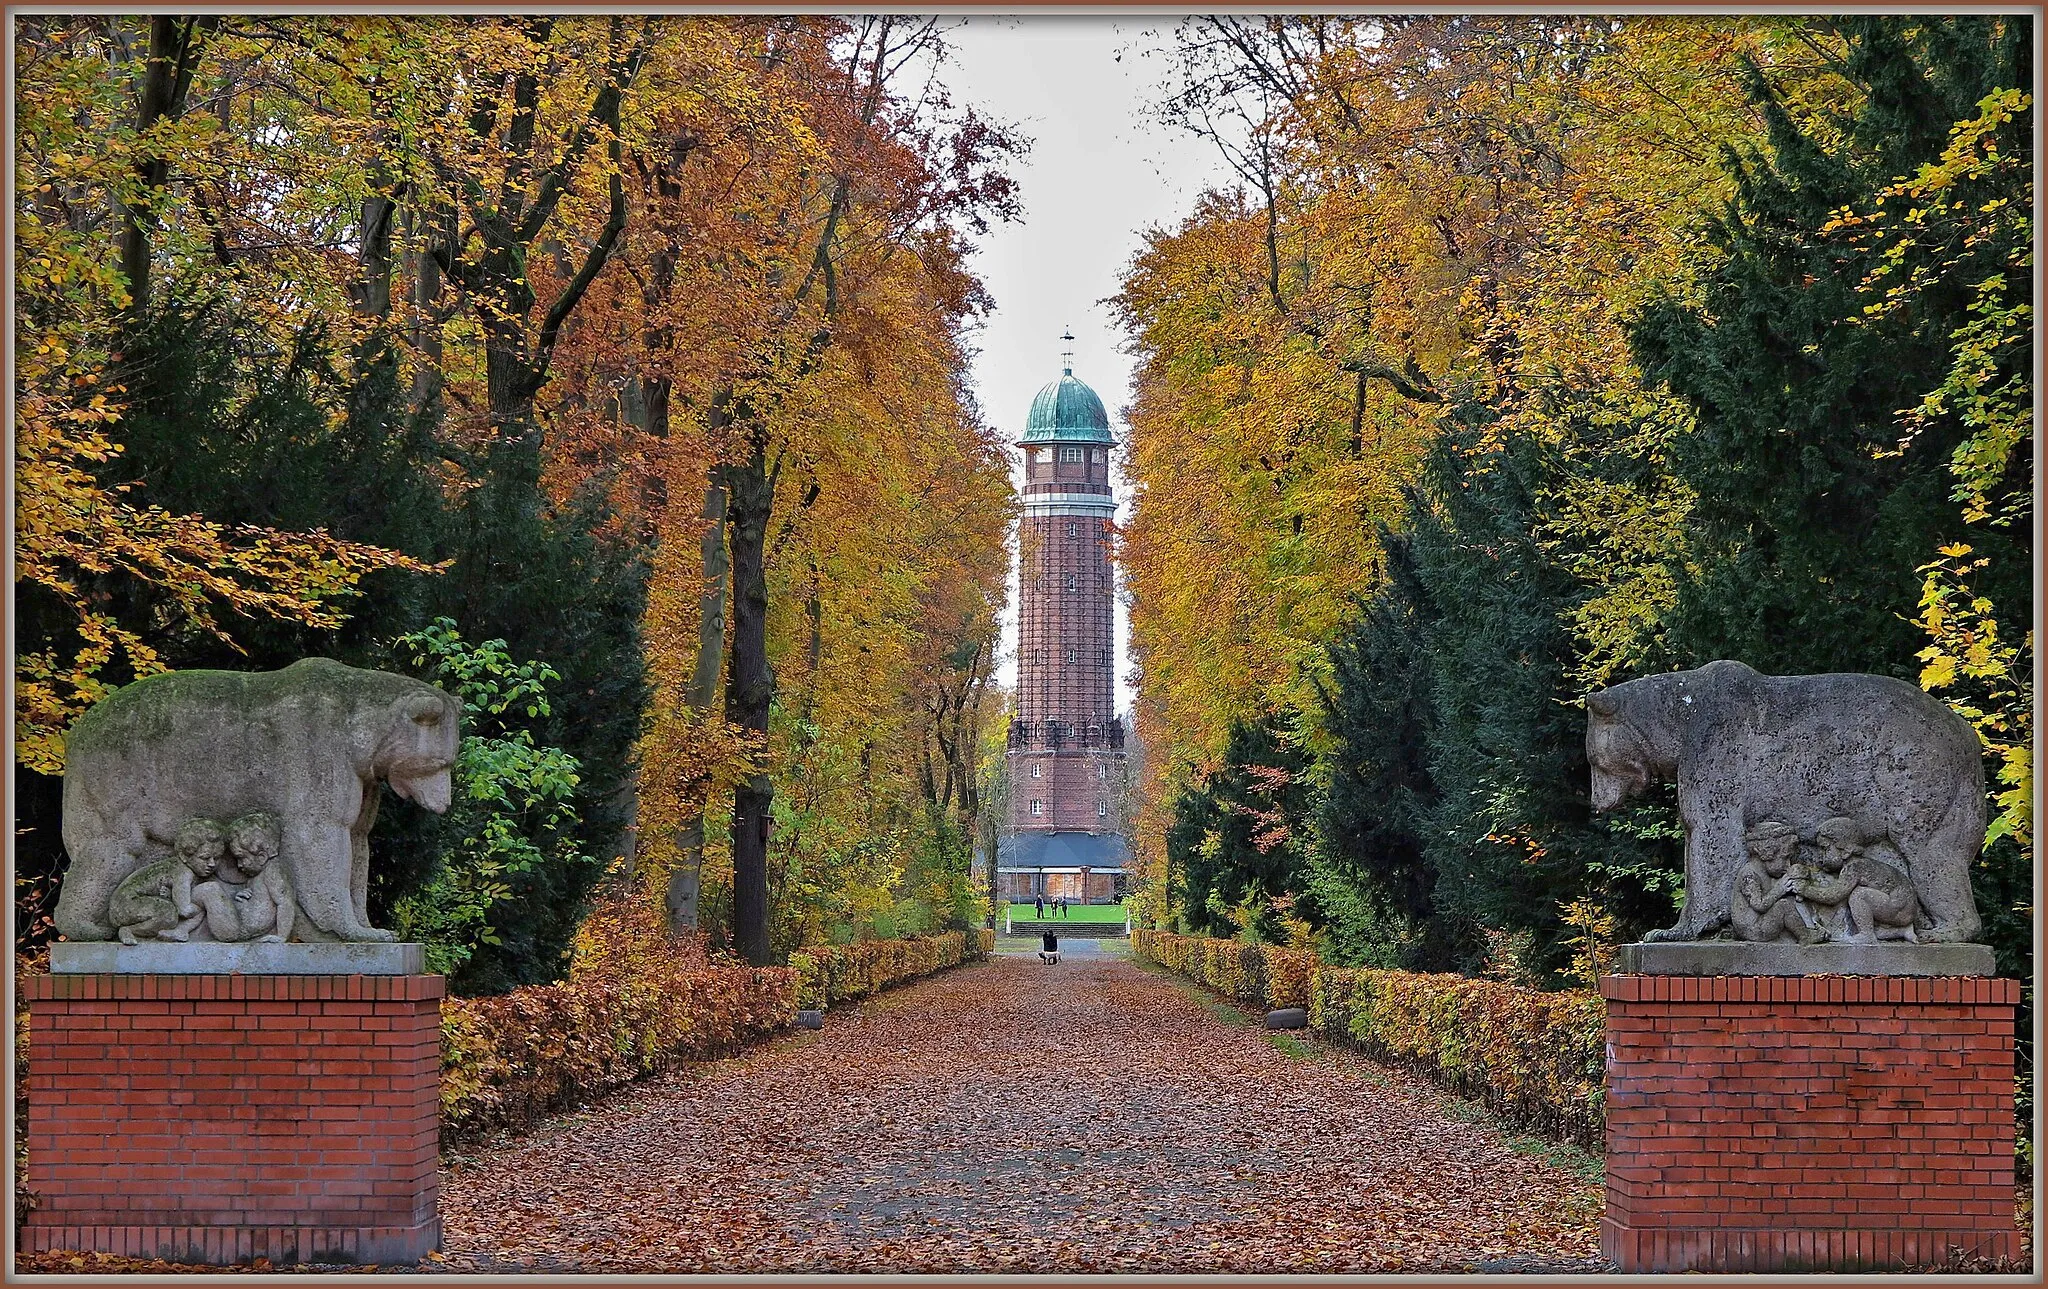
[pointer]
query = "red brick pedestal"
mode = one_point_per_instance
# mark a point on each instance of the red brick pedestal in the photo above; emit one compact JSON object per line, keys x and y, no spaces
{"x":222,"y":1118}
{"x":1825,"y":1123}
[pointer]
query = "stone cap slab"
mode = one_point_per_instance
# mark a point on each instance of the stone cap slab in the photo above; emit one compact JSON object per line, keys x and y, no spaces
{"x":1741,"y":958}
{"x":209,"y":958}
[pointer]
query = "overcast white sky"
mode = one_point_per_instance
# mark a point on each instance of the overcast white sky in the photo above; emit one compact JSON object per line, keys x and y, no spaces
{"x":1099,"y":174}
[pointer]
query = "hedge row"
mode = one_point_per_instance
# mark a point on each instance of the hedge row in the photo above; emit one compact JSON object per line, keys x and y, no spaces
{"x":1262,"y":975}
{"x":1533,"y":1058}
{"x":633,"y":1006}
{"x":828,"y":974}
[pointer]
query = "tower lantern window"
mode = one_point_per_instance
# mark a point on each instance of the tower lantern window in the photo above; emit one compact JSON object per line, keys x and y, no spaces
{"x":1071,"y":454}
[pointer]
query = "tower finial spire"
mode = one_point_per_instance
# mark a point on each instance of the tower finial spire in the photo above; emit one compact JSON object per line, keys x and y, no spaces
{"x":1067,"y":354}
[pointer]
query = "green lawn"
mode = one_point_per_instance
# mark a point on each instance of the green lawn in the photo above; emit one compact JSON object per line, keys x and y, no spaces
{"x":1075,"y":913}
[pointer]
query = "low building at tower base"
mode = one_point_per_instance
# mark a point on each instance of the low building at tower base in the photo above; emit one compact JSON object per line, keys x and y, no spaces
{"x":1080,"y":867}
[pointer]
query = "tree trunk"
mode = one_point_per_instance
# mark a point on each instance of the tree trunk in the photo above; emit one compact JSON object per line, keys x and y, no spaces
{"x":750,"y":686}
{"x":686,"y":880}
{"x":373,"y":293}
{"x":628,"y":799}
{"x":174,"y":45}
{"x":422,"y":230}
{"x":703,"y":689}
{"x":369,"y":395}
{"x":814,"y":617}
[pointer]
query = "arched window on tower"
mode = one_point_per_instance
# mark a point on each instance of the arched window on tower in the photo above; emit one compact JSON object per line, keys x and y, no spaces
{"x":1073,"y":529}
{"x":1073,"y":656}
{"x":1102,"y":810}
{"x":1037,"y":771}
{"x":1102,"y":769}
{"x":1070,"y":581}
{"x":1037,"y":806}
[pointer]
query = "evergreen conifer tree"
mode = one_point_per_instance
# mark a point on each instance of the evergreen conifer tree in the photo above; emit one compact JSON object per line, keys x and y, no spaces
{"x":1809,"y":528}
{"x":1237,"y":841}
{"x":1370,"y":868}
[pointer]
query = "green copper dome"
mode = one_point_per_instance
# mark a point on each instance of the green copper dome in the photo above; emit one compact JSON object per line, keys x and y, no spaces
{"x":1068,"y":411}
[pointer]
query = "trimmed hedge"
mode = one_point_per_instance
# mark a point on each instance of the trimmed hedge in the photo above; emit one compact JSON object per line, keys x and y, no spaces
{"x":1533,"y":1058}
{"x":637,"y":1003}
{"x":1261,"y":975}
{"x":510,"y":1061}
{"x":828,"y":974}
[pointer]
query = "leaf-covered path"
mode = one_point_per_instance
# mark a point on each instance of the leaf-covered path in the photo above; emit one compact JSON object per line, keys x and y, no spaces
{"x":1008,"y":1117}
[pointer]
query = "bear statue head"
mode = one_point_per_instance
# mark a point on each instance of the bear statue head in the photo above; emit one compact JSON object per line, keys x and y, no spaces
{"x":417,"y":755}
{"x":1621,"y":758}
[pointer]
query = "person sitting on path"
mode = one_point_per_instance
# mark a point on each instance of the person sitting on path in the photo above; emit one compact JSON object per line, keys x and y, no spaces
{"x":1049,"y":951}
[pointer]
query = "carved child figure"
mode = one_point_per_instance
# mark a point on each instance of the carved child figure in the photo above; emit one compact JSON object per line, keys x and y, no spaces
{"x":1879,"y":897}
{"x":261,"y":908}
{"x":1762,"y":907}
{"x":157,"y":899}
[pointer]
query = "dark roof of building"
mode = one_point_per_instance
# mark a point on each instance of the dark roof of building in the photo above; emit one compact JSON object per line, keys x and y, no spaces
{"x":1068,"y":410}
{"x":1062,"y":850}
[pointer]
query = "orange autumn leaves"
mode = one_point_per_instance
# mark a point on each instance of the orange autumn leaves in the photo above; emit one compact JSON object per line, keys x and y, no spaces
{"x":1428,"y":214}
{"x":593,"y":230}
{"x":799,"y":250}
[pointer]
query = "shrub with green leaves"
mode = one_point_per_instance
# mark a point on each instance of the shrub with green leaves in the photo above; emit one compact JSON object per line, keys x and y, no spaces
{"x":514,"y":808}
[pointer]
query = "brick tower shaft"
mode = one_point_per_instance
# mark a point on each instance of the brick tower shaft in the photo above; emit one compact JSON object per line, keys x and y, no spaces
{"x":1066,"y":759}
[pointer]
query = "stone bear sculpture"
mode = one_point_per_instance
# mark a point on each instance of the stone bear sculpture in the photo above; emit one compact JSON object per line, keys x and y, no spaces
{"x":1745,"y":747}
{"x":307,"y":744}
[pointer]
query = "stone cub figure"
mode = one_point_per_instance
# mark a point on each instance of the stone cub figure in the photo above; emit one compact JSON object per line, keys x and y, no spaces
{"x":1853,"y":875}
{"x":260,"y":907}
{"x":157,"y":900}
{"x":1762,"y":907}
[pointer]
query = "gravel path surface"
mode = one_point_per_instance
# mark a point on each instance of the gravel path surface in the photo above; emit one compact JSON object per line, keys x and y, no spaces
{"x":1012,"y":1117}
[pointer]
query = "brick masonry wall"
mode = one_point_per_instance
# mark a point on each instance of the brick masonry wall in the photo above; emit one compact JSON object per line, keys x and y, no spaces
{"x":1069,"y":785}
{"x":1066,"y":603}
{"x":1818,"y":1122}
{"x":1066,"y":608}
{"x":223,"y":1118}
